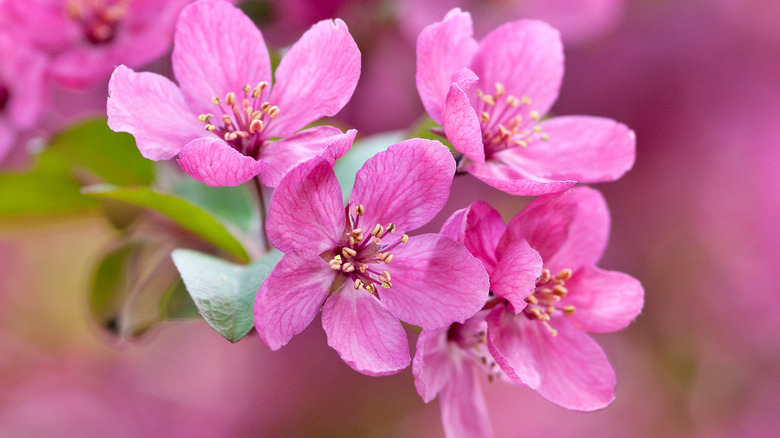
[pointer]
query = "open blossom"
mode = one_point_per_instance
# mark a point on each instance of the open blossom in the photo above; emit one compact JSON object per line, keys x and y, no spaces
{"x":358,"y":265}
{"x":449,"y":361}
{"x":86,"y":39}
{"x":225,"y":120}
{"x":543,"y":344}
{"x":490,"y":96}
{"x":22,"y":90}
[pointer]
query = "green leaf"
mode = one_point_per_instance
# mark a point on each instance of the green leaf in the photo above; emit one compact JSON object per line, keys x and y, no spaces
{"x":136,"y":286}
{"x":224,"y":292}
{"x":231,"y":204}
{"x":42,"y":191}
{"x":111,"y":156}
{"x":183,"y":212}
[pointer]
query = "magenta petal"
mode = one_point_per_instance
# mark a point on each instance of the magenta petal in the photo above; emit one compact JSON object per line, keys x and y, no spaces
{"x":315,"y":78}
{"x":213,"y":162}
{"x":512,"y":178}
{"x":516,"y":273}
{"x":464,"y":413}
{"x":605,"y":301}
{"x":479,"y":227}
{"x":153,"y":110}
{"x":432,"y":364}
{"x":442,"y":49}
{"x":307,"y":210}
{"x":461,"y":124}
{"x":526,"y":56}
{"x":289,"y":299}
{"x":282,"y":155}
{"x":581,"y":148}
{"x":435,"y":282}
{"x":366,"y":336}
{"x":568,"y":230}
{"x":408,"y":184}
{"x":217,"y":49}
{"x":569,"y":369}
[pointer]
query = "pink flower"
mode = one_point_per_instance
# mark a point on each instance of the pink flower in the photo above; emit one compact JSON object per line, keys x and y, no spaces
{"x":222,"y":65}
{"x":449,"y":361}
{"x":340,"y":259}
{"x":22,"y":90}
{"x":489,"y":97}
{"x":86,"y":39}
{"x":544,"y":345}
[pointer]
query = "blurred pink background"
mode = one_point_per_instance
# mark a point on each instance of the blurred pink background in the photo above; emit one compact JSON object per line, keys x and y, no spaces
{"x":695,"y":221}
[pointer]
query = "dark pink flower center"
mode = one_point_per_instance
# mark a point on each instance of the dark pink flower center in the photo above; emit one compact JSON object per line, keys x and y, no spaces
{"x":473,"y":343}
{"x":99,"y":19}
{"x":242,"y":118}
{"x":5,"y":96}
{"x":363,"y":257}
{"x":502,"y":123}
{"x":545,"y":300}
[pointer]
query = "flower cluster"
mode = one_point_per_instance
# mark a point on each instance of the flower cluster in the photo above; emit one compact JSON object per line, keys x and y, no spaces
{"x":508,"y":301}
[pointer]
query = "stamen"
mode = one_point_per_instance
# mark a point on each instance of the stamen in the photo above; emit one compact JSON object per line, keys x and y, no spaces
{"x":230,"y":98}
{"x":500,"y":89}
{"x":348,"y":252}
{"x":348,"y":267}
{"x":404,"y":239}
{"x":391,"y":228}
{"x":568,"y":310}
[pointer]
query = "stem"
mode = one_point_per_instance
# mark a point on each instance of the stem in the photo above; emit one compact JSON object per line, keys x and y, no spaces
{"x":263,"y":214}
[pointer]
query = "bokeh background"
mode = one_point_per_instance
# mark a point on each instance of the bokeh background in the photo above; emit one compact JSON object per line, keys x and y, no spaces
{"x":696,"y":221}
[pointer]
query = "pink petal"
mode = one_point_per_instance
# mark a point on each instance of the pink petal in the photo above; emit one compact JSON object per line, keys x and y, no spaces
{"x":479,"y":227}
{"x":569,"y":369}
{"x":289,"y":299}
{"x":153,"y":110}
{"x":460,"y":122}
{"x":568,"y":230}
{"x":442,"y":49}
{"x":432,"y":364}
{"x":408,"y":184}
{"x":366,"y":336}
{"x":435,"y":282}
{"x":213,"y":162}
{"x":512,"y":178}
{"x":526,"y":56}
{"x":516,"y":273}
{"x":605,"y":301}
{"x":464,"y":413}
{"x":307,"y":210}
{"x":282,"y":155}
{"x":315,"y":78}
{"x":217,"y":49}
{"x":585,"y":149}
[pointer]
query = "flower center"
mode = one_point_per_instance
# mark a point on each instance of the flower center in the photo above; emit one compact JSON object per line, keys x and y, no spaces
{"x":241,"y":124}
{"x":5,"y":96}
{"x":502,"y":123}
{"x":360,"y":257}
{"x":544,"y":301}
{"x":473,"y":343}
{"x":99,"y":19}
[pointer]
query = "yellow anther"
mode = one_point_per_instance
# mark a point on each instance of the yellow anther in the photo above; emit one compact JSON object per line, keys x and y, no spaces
{"x":386,"y":275}
{"x":256,"y":126}
{"x":391,"y":228}
{"x":545,"y":137}
{"x":512,"y":101}
{"x":273,"y":111}
{"x":371,"y":288}
{"x":404,"y":239}
{"x":521,"y":143}
{"x":550,"y":310}
{"x":264,"y":107}
{"x":230,"y":136}
{"x":564,"y":275}
{"x":210,"y":127}
{"x":226,"y":120}
{"x":568,"y":310}
{"x":485,"y":117}
{"x":500,"y":89}
{"x":545,"y":276}
{"x":387,"y":285}
{"x":245,"y":103}
{"x":216,"y":100}
{"x":230,"y":98}
{"x":247,"y":88}
{"x":534,"y":114}
{"x":359,"y":209}
{"x":204,"y":118}
{"x":358,"y":284}
{"x":537,"y":128}
{"x":348,"y":267}
{"x":560,"y":290}
{"x":488,"y":99}
{"x":388,"y":259}
{"x":348,"y":252}
{"x":378,"y":230}
{"x":526,"y":100}
{"x":531,"y":300}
